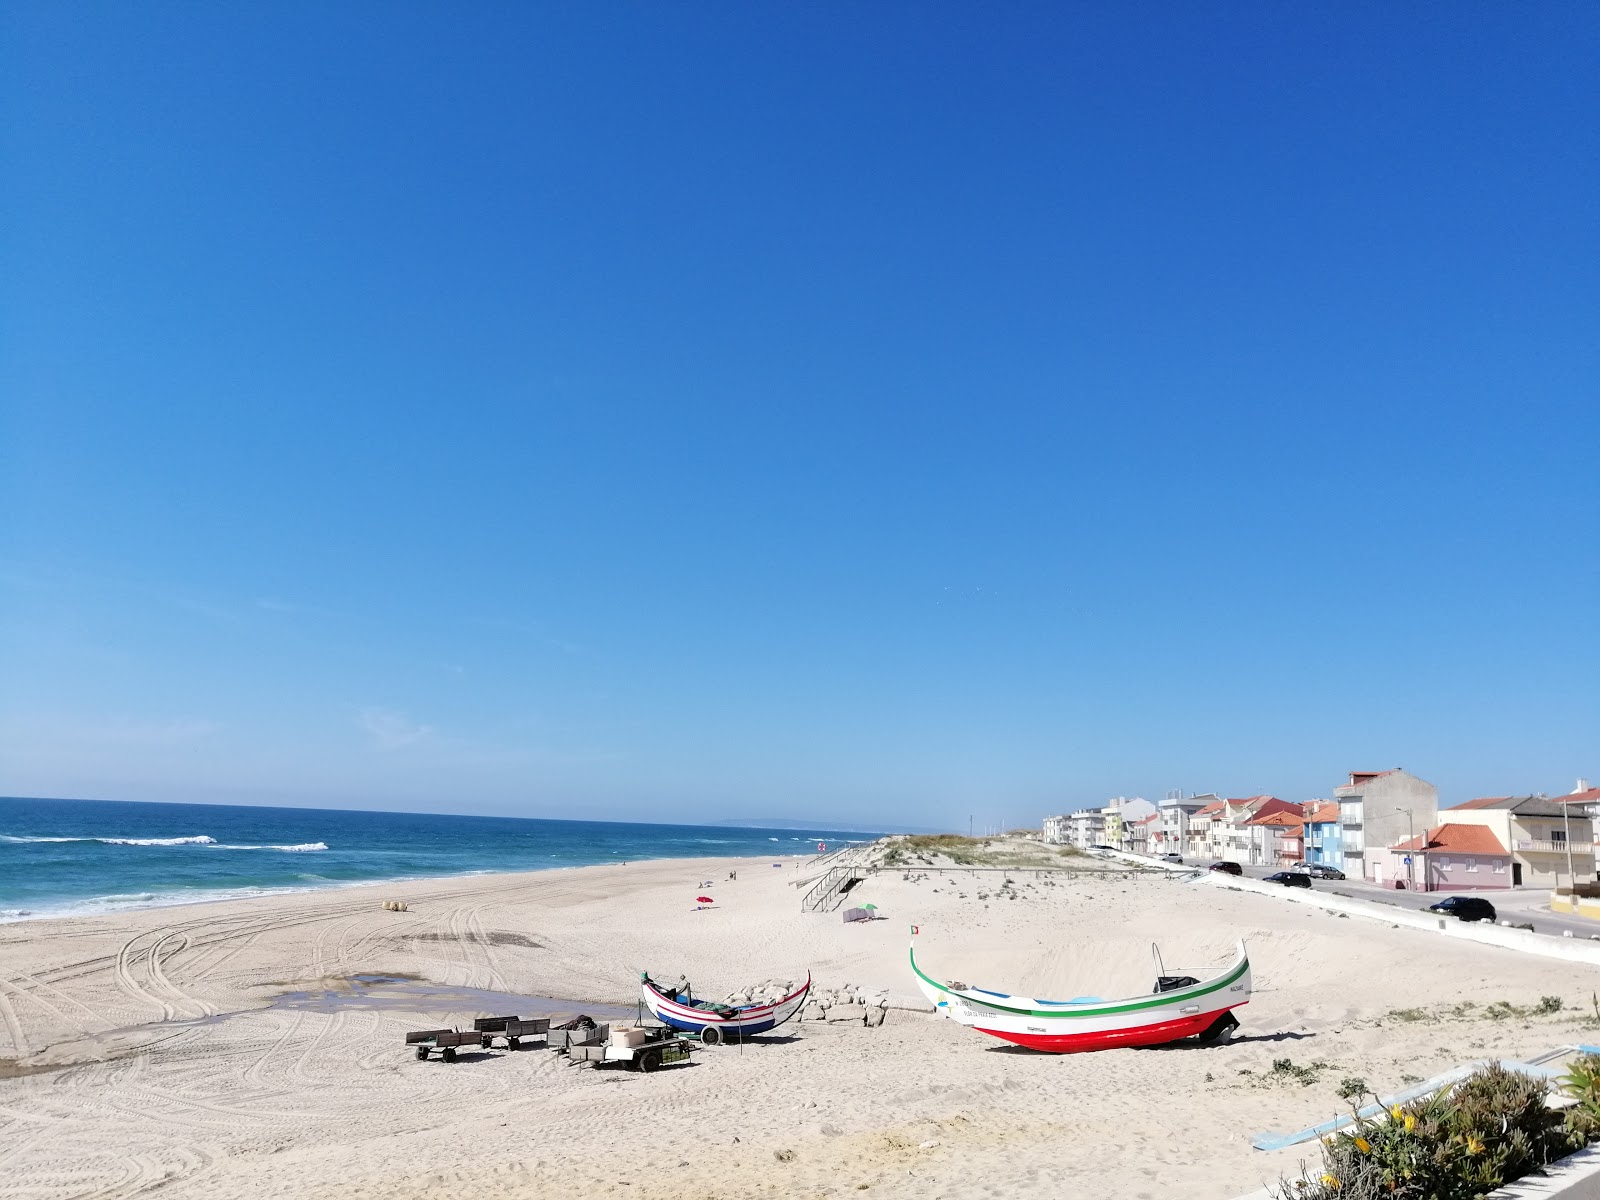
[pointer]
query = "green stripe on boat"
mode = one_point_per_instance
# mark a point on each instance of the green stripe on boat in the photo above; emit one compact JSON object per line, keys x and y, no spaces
{"x":1157,"y":1000}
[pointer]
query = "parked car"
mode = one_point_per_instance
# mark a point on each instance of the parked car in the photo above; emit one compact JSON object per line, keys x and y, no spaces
{"x":1319,"y":871}
{"x":1227,"y":868}
{"x":1102,"y":847}
{"x":1290,"y":878}
{"x":1467,"y":908}
{"x":1172,"y":858}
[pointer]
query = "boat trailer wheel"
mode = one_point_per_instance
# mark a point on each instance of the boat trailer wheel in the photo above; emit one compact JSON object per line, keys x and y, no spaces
{"x":711,"y":1036}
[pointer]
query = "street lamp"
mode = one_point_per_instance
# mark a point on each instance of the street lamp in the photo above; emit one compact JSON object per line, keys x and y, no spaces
{"x":1411,"y":871}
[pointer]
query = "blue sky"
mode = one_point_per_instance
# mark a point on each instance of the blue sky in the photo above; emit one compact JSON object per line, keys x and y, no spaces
{"x":872,"y":412}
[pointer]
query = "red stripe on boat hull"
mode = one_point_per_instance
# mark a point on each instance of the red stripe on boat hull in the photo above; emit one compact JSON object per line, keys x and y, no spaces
{"x":1107,"y":1039}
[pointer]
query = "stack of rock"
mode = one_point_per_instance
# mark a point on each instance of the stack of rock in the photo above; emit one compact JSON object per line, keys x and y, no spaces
{"x":847,"y":1002}
{"x":768,"y":991}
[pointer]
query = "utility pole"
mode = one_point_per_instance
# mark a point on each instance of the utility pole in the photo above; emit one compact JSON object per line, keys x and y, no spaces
{"x":969,"y":825}
{"x":1572,"y":880}
{"x":1411,"y":857}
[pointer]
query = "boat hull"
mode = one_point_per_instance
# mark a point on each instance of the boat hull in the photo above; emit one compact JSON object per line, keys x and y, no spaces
{"x":1067,"y":1027}
{"x":743,"y":1022}
{"x":1070,"y":1041}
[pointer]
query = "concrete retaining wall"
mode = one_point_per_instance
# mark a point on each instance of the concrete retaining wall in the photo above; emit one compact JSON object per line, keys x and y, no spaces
{"x":1568,"y":949}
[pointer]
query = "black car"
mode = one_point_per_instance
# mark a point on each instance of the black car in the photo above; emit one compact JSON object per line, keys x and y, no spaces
{"x":1290,"y":878}
{"x":1227,"y":868}
{"x":1467,"y":908}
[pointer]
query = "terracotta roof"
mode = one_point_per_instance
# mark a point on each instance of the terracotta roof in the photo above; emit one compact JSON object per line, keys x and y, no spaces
{"x":1276,"y":818}
{"x":1457,"y":839}
{"x":1153,"y":817}
{"x":1321,"y":810}
{"x":1214,"y":807}
{"x":1592,"y":796}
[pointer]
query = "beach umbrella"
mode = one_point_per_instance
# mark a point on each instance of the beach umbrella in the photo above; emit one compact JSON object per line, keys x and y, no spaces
{"x":705,"y":899}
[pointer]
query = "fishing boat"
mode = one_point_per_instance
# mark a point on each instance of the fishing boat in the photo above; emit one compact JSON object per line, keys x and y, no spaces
{"x":716,"y":1023}
{"x":1181,"y":1005}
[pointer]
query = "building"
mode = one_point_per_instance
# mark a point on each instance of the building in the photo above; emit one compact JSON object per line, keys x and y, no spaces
{"x":1238,"y":839}
{"x":1457,"y":856}
{"x":1536,"y":833}
{"x":1381,"y":809}
{"x":1275,"y":837}
{"x":1138,"y":832}
{"x":1203,"y":825}
{"x":1057,"y":831}
{"x":1171,"y":834}
{"x":1119,"y":813}
{"x":1088,"y":828}
{"x":1323,"y":844}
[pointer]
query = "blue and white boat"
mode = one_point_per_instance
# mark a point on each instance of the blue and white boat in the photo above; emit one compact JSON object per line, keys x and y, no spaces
{"x":718,"y":1023}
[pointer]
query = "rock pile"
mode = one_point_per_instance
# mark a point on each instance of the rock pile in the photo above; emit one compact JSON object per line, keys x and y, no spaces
{"x":847,"y":1002}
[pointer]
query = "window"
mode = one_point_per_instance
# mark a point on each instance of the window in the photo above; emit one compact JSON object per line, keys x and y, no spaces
{"x":1499,"y":867}
{"x":1558,"y":836}
{"x":1472,"y":864}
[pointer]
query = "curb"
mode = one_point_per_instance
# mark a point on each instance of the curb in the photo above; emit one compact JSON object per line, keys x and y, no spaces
{"x":1567,"y":949}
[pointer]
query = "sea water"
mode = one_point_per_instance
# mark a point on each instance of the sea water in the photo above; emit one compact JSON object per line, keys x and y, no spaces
{"x":77,"y":857}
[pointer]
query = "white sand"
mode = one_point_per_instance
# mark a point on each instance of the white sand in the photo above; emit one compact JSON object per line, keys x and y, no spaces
{"x":182,"y":1076}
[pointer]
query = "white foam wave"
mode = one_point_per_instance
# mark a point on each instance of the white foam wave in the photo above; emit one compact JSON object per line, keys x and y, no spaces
{"x":302,"y":848}
{"x":6,"y":837}
{"x":198,"y":840}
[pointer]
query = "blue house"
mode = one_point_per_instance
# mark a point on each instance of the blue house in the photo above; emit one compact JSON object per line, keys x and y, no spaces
{"x":1324,"y":843}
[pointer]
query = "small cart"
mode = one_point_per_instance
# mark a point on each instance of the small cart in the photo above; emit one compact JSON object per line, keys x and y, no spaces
{"x":659,"y":1047}
{"x":512,"y":1029}
{"x":445,"y":1041}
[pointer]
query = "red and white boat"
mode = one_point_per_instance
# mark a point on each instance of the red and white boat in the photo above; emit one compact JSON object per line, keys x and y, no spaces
{"x":1198,"y":1003}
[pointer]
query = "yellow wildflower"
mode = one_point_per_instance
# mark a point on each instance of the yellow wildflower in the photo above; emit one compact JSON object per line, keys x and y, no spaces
{"x":1395,"y":1112}
{"x":1366,"y":1147}
{"x":1329,"y":1181}
{"x":1474,"y":1146}
{"x":1411,"y":1122}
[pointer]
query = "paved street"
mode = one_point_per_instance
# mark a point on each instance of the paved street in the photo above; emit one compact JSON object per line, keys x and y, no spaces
{"x":1518,"y":906}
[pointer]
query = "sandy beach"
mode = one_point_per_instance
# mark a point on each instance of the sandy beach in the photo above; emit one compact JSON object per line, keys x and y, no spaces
{"x":154,"y":1050}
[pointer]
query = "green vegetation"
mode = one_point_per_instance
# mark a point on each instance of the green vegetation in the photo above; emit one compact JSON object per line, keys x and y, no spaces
{"x":1284,"y":1070}
{"x":1352,"y":1088}
{"x":923,"y":849}
{"x":1490,"y":1129}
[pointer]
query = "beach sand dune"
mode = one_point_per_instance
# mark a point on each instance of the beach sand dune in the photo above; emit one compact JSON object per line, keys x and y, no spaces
{"x":156,"y":1048}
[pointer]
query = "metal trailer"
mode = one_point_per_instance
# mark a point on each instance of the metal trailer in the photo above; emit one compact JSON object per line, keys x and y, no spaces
{"x":445,"y":1041}
{"x":660,"y":1047}
{"x":512,"y":1029}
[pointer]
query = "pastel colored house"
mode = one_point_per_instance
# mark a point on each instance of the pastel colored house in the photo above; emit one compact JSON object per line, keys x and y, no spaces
{"x":1088,"y":828}
{"x":1275,"y":838}
{"x":1323,"y":844}
{"x":1454,"y":857}
{"x":1171,"y":834}
{"x":1057,"y":831}
{"x":1239,"y":838}
{"x":1536,"y":831}
{"x":1204,"y":832}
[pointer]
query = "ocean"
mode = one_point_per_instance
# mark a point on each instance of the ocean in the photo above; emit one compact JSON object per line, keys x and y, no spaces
{"x":78,"y":857}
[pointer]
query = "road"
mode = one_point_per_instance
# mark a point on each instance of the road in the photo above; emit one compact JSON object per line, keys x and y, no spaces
{"x":1520,"y":906}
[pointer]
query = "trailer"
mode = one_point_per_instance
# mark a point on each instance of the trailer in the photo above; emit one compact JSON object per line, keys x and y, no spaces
{"x":652,"y":1047}
{"x":512,"y":1029}
{"x":445,"y":1041}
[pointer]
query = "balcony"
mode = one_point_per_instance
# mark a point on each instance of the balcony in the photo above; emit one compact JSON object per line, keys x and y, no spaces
{"x":1350,"y":822}
{"x":1537,"y":847}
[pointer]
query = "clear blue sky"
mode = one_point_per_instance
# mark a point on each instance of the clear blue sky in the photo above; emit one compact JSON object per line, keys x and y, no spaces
{"x":864,"y":411}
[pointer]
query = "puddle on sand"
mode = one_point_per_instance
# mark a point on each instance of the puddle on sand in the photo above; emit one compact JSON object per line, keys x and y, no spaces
{"x":397,"y":993}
